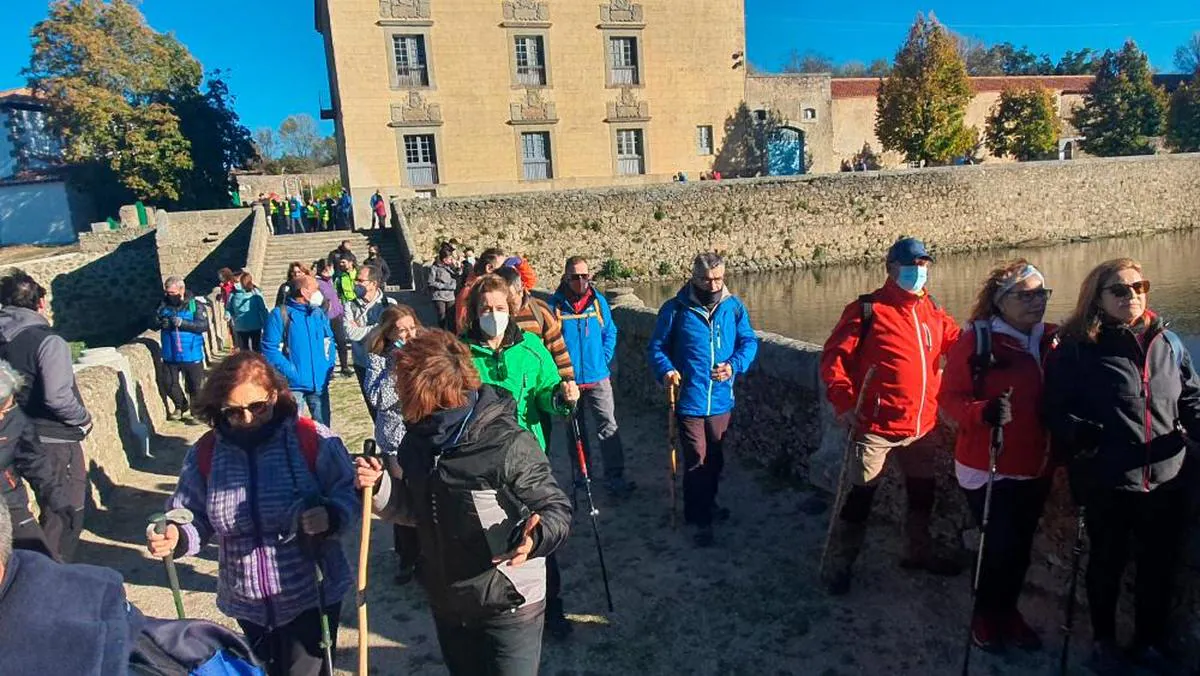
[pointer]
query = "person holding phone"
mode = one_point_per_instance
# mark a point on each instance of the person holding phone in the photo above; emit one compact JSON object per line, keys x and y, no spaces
{"x":479,"y":491}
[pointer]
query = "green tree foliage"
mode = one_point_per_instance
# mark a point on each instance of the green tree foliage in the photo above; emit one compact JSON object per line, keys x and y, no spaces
{"x":1007,"y":59}
{"x":126,"y":102}
{"x":921,"y":105}
{"x":747,"y":138}
{"x":1183,"y":117}
{"x":1023,"y":124}
{"x":1123,"y":109}
{"x":1187,"y":56}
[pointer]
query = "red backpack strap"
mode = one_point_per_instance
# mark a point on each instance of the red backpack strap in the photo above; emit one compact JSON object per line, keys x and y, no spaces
{"x":204,"y":453}
{"x":310,"y":442}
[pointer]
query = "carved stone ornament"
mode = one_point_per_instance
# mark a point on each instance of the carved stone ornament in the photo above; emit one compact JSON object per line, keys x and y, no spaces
{"x":628,"y":107}
{"x":534,"y":109}
{"x":404,"y":9}
{"x":621,"y":11}
{"x":526,"y":10}
{"x":416,"y":112}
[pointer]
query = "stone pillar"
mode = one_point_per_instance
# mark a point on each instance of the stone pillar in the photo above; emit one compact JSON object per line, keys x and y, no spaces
{"x":623,"y":296}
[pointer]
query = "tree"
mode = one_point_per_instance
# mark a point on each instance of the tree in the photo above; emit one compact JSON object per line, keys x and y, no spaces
{"x":808,"y":62}
{"x":298,"y":135}
{"x":1187,"y":56}
{"x":1023,"y":124}
{"x":879,"y":68}
{"x":219,"y":142}
{"x":1183,"y":117}
{"x":265,"y":143}
{"x":747,"y":138}
{"x":1082,"y":62}
{"x":922,"y":103}
{"x":1123,"y":109}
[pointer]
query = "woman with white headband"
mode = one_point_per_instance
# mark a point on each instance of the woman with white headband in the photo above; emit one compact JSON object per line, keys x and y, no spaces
{"x":993,"y":379}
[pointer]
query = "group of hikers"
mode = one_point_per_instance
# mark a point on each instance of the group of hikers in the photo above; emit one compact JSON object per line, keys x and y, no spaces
{"x":464,"y":412}
{"x":295,"y":213}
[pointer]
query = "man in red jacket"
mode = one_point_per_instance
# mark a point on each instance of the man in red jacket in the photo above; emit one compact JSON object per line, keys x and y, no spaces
{"x":902,"y":333}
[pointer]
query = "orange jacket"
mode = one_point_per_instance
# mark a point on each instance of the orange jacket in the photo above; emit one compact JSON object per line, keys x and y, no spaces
{"x":907,"y":339}
{"x":460,"y":304}
{"x":1026,"y":441}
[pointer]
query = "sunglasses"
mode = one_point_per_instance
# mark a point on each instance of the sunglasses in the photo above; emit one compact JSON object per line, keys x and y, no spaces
{"x":1030,"y":295}
{"x":581,"y":278}
{"x":1127,"y":290}
{"x":256,"y":409}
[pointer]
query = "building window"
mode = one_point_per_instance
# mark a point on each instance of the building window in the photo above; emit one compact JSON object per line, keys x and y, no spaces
{"x":623,"y":61}
{"x":412,"y":68}
{"x":420,"y":158}
{"x":535,"y":156}
{"x":704,"y":140}
{"x":531,"y":60}
{"x":631,"y":152}
{"x":810,"y":113}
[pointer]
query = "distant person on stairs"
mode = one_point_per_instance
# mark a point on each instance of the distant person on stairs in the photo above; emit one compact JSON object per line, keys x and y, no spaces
{"x":902,"y":333}
{"x":295,"y":214}
{"x":345,"y":211}
{"x":247,"y":311}
{"x":378,"y":211}
{"x":362,"y":315}
{"x":299,"y":342}
{"x":442,"y":284}
{"x":342,"y":251}
{"x":182,"y":320}
{"x":373,"y":258}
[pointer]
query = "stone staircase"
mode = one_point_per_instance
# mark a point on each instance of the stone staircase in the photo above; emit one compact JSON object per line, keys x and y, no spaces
{"x":283,"y":249}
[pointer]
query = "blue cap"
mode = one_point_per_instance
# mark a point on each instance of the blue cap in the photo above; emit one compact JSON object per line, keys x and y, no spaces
{"x":908,"y":251}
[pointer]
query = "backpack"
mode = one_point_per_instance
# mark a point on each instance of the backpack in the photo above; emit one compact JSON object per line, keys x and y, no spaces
{"x":306,"y":429}
{"x":188,"y":648}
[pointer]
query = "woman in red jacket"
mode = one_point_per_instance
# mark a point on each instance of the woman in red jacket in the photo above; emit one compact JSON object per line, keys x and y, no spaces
{"x":982,"y":391}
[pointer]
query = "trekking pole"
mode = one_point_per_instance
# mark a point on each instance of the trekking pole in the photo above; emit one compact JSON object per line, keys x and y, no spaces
{"x":364,"y":549}
{"x":178,"y":517}
{"x":587,"y":484}
{"x":844,"y":472}
{"x":326,"y":641}
{"x":312,"y":547}
{"x":1069,"y":615}
{"x":993,"y":454}
{"x":672,"y":433}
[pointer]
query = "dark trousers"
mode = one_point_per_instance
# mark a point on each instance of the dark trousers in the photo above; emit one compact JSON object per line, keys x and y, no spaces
{"x":701,"y":440}
{"x":508,"y":644}
{"x":360,"y":373}
{"x":27,"y":532}
{"x":1155,"y":523}
{"x":407,"y":544}
{"x":248,"y":340}
{"x":339,"y":336}
{"x":295,"y":648}
{"x":445,"y":314}
{"x":598,"y":398}
{"x":62,"y":502}
{"x":1012,"y":522}
{"x":193,"y":377}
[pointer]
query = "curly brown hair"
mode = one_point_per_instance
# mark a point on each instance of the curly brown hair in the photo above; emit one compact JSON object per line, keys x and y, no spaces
{"x":242,"y":366}
{"x":434,"y":372}
{"x":985,"y":304}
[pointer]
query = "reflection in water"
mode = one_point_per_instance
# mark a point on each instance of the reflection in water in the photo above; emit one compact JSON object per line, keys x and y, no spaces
{"x":805,"y":304}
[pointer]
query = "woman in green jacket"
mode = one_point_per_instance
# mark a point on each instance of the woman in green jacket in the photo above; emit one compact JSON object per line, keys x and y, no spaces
{"x":511,"y":358}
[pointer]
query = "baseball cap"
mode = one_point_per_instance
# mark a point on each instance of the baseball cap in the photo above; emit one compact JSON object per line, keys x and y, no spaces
{"x":908,"y":251}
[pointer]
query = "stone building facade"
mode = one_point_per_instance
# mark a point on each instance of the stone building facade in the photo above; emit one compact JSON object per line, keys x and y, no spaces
{"x":462,"y":97}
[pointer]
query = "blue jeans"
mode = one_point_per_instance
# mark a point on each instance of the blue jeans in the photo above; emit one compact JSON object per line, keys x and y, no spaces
{"x":315,"y":405}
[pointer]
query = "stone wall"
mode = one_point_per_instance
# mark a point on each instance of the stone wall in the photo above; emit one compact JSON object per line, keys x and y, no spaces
{"x":770,"y":223}
{"x":260,"y":237}
{"x":791,"y":95}
{"x":195,"y":244}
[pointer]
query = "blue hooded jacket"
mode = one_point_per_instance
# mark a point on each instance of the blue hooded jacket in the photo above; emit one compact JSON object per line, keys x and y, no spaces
{"x":247,"y":309}
{"x":183,"y":344}
{"x":690,"y":340}
{"x":591,"y":335}
{"x":308,"y":357}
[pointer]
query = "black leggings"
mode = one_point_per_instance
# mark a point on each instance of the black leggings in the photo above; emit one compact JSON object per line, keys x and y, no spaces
{"x":295,"y":648}
{"x":1012,"y":523}
{"x":248,"y":340}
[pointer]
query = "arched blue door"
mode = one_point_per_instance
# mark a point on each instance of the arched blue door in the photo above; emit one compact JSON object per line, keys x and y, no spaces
{"x":785,"y":152}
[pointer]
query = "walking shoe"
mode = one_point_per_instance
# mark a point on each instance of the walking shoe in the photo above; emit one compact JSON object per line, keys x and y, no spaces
{"x":187,"y":419}
{"x":347,"y":373}
{"x":845,"y":542}
{"x":171,"y":415}
{"x":703,"y":536}
{"x":1155,"y":660}
{"x":1107,"y":660}
{"x":1018,"y":632}
{"x":555,"y":622}
{"x":619,"y":487}
{"x":985,"y":634}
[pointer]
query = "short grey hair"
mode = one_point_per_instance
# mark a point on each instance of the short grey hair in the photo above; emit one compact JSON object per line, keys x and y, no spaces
{"x":6,"y":535}
{"x":11,"y":381}
{"x":705,"y":262}
{"x":374,"y":274}
{"x":172,"y":282}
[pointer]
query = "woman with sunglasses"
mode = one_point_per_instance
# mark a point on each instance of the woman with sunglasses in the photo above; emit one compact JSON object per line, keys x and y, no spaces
{"x":397,"y":325}
{"x":274,"y":491}
{"x":1122,"y":397}
{"x":984,"y":389}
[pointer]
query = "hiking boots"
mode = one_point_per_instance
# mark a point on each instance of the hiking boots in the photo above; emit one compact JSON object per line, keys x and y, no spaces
{"x":187,"y":419}
{"x":919,"y":551}
{"x":1018,"y":632}
{"x":844,"y":545}
{"x":986,"y":634}
{"x":555,"y":621}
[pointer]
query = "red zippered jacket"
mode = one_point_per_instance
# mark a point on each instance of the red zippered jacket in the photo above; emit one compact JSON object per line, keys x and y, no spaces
{"x":907,"y":339}
{"x":1026,"y":440}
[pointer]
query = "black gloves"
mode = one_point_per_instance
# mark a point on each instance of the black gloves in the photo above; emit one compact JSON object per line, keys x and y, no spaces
{"x":998,"y":411}
{"x":1087,"y":436}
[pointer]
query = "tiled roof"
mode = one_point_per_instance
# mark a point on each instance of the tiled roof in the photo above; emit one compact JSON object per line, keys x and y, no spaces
{"x":854,"y":87}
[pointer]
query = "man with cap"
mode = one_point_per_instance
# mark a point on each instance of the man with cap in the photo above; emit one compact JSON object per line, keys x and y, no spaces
{"x":898,"y":334}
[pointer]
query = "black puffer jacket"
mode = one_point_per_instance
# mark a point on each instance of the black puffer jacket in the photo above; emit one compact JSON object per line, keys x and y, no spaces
{"x":468,"y":477}
{"x":1141,"y":389}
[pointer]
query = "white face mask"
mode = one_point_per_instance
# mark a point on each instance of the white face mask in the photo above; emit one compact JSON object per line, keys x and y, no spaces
{"x":493,"y":323}
{"x":317,"y":299}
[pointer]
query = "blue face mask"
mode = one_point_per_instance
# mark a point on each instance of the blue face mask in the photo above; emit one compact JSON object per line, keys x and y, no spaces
{"x":399,"y":343}
{"x":912,"y":278}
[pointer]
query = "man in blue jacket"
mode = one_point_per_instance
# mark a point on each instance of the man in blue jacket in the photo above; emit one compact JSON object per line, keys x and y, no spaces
{"x":295,"y":214}
{"x":182,"y":320}
{"x":702,"y":342}
{"x":591,"y":337}
{"x":298,"y":342}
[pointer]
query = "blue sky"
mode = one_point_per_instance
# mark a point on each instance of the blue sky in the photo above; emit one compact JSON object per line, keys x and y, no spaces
{"x":277,"y":64}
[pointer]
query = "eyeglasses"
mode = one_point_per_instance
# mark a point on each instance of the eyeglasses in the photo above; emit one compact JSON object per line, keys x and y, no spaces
{"x":581,"y":277}
{"x":256,"y":409}
{"x":1030,"y":295}
{"x":1127,"y":290}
